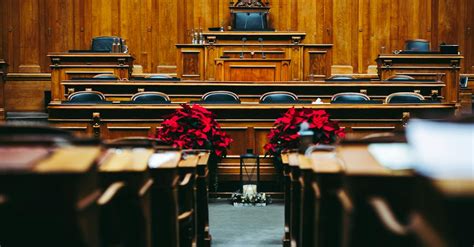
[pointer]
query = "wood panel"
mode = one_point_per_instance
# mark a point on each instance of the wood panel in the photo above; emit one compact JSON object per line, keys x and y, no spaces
{"x":359,"y":29}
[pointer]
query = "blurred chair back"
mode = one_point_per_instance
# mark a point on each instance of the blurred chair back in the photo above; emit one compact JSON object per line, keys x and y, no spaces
{"x":278,"y":97}
{"x":151,"y":98}
{"x":106,"y":76}
{"x":341,"y":78}
{"x":463,"y":81}
{"x":86,"y":97}
{"x":349,"y":98}
{"x":404,"y":97}
{"x":400,"y":78}
{"x":420,"y":45}
{"x":220,"y":97}
{"x":158,"y":77}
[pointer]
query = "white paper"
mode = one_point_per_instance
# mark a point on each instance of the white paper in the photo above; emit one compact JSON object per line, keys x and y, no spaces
{"x":157,"y":159}
{"x":395,"y":156}
{"x":442,"y":150}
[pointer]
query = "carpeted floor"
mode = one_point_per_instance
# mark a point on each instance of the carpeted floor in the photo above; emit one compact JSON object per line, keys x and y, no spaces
{"x":246,"y":226}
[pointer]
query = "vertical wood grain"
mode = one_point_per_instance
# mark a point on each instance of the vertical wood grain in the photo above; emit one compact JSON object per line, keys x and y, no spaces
{"x":357,"y":28}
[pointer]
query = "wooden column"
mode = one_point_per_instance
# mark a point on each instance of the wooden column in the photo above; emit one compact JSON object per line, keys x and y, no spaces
{"x":3,"y":77}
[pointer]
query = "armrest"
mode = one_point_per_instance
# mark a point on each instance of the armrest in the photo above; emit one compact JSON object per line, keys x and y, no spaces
{"x":110,"y":192}
{"x":186,"y":180}
{"x":387,"y":217}
{"x":145,"y":188}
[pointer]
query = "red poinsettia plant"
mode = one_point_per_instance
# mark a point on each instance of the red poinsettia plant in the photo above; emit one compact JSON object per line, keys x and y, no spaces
{"x":285,"y":135}
{"x":194,"y":127}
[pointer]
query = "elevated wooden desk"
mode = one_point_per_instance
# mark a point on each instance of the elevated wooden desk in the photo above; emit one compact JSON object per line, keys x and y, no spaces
{"x":271,"y":56}
{"x":65,"y":66}
{"x":187,"y":91}
{"x":3,"y":77}
{"x":443,"y":67}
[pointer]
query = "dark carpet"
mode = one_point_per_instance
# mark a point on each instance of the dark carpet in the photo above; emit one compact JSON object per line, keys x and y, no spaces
{"x":246,"y":226}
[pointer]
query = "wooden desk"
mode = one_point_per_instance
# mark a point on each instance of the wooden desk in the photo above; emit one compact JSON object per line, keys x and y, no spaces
{"x":283,"y":51}
{"x":48,"y":196}
{"x":3,"y":77}
{"x":186,"y":91}
{"x":443,"y":67}
{"x":248,"y":124}
{"x":65,"y":66}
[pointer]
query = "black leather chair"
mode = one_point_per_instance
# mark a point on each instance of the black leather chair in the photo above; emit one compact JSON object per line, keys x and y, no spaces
{"x":250,"y":21}
{"x":278,"y":97}
{"x":86,"y":97}
{"x":417,"y":45}
{"x":349,"y":98}
{"x":104,"y":43}
{"x":463,"y":81}
{"x":106,"y":77}
{"x":404,"y":97}
{"x":220,"y":97}
{"x":400,"y":78}
{"x":341,"y":78}
{"x":150,"y":98}
{"x":158,"y":77}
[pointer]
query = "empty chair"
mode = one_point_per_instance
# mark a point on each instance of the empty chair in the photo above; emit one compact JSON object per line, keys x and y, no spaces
{"x":104,"y":43}
{"x":86,"y":97}
{"x":106,"y":76}
{"x":400,"y":78}
{"x":220,"y":97}
{"x":151,"y":98}
{"x":463,"y":81}
{"x":341,"y":78}
{"x":279,"y":97}
{"x":417,"y":45}
{"x":158,"y":77}
{"x":349,"y":98}
{"x":404,"y":97}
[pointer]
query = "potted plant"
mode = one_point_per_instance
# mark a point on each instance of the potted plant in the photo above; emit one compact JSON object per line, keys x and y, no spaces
{"x":194,"y":127}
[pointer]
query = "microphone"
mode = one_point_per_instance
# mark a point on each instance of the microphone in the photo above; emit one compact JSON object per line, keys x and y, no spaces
{"x":243,"y":46}
{"x":260,"y":40}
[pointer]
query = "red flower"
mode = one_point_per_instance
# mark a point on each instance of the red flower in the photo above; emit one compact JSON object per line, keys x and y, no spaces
{"x":194,"y":127}
{"x":285,"y":134}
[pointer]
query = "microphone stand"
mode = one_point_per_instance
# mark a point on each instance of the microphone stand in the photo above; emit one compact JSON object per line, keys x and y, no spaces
{"x":243,"y":46}
{"x":260,"y":40}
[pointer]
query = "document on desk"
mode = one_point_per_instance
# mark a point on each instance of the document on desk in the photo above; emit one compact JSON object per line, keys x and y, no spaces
{"x":394,"y":156}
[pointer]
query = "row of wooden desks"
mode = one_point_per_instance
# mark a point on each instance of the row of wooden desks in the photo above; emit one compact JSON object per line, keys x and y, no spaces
{"x":347,"y":198}
{"x":187,"y":91}
{"x":102,"y":196}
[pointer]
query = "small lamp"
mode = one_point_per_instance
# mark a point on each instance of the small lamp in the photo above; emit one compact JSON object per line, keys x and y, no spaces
{"x":245,"y":159}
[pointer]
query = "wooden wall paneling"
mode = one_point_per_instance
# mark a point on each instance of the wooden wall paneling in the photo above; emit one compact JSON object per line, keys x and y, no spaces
{"x":3,"y":26}
{"x":168,"y":34}
{"x":29,"y":36}
{"x":344,"y":15}
{"x":469,"y":43}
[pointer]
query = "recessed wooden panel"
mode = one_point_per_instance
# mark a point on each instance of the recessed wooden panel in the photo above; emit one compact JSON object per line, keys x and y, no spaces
{"x":191,"y":64}
{"x":251,"y":73}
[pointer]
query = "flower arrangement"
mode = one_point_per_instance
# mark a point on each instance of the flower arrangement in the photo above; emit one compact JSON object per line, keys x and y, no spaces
{"x":285,"y":134}
{"x":258,"y":199}
{"x":194,"y":128}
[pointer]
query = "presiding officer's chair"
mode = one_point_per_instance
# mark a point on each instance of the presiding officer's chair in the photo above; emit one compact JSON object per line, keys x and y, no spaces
{"x":278,"y":97}
{"x":400,"y":78}
{"x":106,"y":77}
{"x":349,"y":98}
{"x":404,"y":98}
{"x":86,"y":97}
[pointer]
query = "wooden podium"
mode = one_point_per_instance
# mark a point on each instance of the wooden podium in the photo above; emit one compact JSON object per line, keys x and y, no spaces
{"x":440,"y":67}
{"x":254,"y":56}
{"x":3,"y":76}
{"x":65,"y":66}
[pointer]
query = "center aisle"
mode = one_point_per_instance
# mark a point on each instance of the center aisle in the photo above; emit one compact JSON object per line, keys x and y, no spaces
{"x":246,"y":226}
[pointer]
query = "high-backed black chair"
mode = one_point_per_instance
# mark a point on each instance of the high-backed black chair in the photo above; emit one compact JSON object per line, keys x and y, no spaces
{"x":151,"y":98}
{"x":86,"y":97}
{"x":349,"y":98}
{"x":220,"y":97}
{"x":250,"y":21}
{"x":463,"y":81}
{"x":400,"y":78}
{"x":104,"y":43}
{"x":278,"y":97}
{"x":158,"y":77}
{"x":404,"y":97}
{"x":106,"y":76}
{"x":417,"y":45}
{"x":342,"y":78}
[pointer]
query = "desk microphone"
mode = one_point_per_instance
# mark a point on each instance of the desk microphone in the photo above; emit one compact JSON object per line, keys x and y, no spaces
{"x":243,"y":46}
{"x":260,"y":40}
